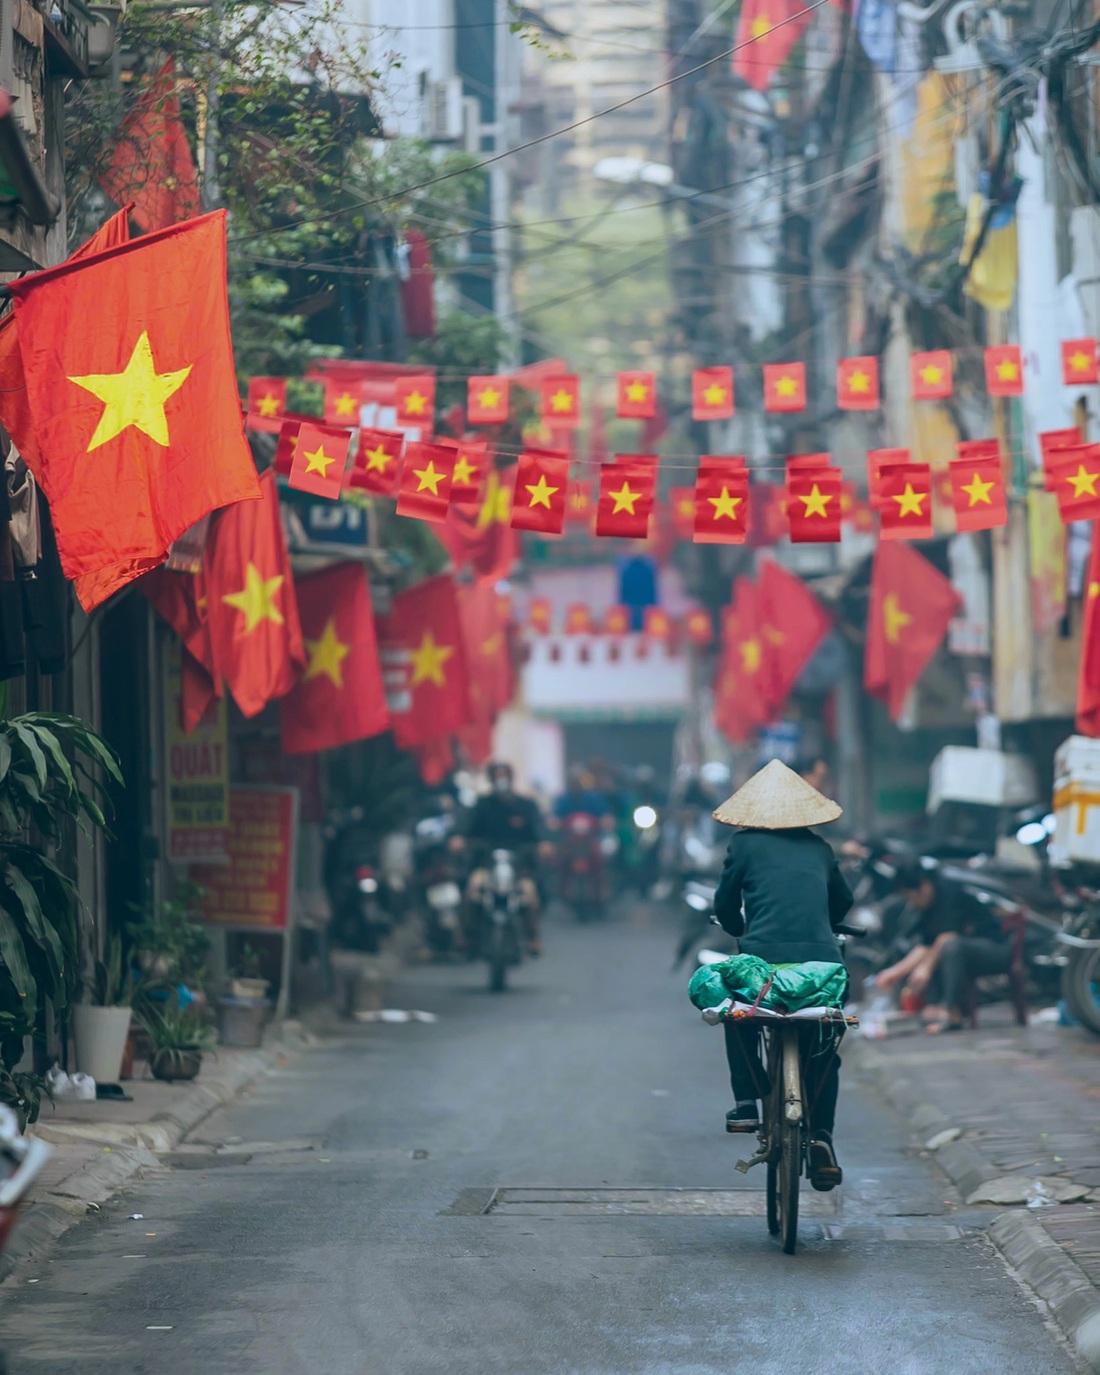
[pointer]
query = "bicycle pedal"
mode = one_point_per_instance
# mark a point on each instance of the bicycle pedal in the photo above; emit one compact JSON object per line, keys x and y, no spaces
{"x":743,"y":1128}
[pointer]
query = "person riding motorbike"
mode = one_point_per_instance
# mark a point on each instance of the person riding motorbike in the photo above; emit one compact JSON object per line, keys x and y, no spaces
{"x":506,"y":820}
{"x":582,"y":795}
{"x":782,"y":895}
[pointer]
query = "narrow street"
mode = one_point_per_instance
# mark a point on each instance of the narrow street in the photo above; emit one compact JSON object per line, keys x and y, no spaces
{"x":344,"y":1230}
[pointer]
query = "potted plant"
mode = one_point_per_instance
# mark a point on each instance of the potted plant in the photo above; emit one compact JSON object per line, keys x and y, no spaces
{"x":102,"y":1023}
{"x":171,"y":946}
{"x":179,"y":1038}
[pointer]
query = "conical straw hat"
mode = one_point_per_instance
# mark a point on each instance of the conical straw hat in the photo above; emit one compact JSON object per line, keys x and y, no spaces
{"x":776,"y":799}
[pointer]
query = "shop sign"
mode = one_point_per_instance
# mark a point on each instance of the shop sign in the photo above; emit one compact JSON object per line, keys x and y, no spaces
{"x":197,"y":775}
{"x":253,"y":890}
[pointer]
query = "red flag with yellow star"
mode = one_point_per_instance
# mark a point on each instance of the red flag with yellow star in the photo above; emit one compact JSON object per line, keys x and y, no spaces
{"x":485,"y":625}
{"x":1088,"y":676}
{"x":377,"y":462}
{"x":698,"y":627}
{"x":252,"y":611}
{"x":792,"y":624}
{"x":912,"y":605}
{"x":481,"y":538}
{"x":712,"y":393}
{"x":424,"y":663}
{"x":740,"y":690}
{"x":538,"y":615}
{"x":1075,"y":476}
{"x":1004,"y":370}
{"x":320,"y":457}
{"x":180,"y":599}
{"x":636,"y":396}
{"x":578,"y":619}
{"x":1051,"y":444}
{"x":657,"y":624}
{"x":133,"y":396}
{"x":878,"y":462}
{"x":720,"y":501}
{"x":681,"y":501}
{"x":814,"y":504}
{"x":343,"y":401}
{"x":472,"y":461}
{"x":415,"y":400}
{"x":426,"y":478}
{"x":266,"y":404}
{"x":578,"y":504}
{"x":487,"y":400}
{"x":978,"y":492}
{"x":1080,"y":362}
{"x":931,"y":375}
{"x":561,"y":401}
{"x":616,"y":620}
{"x":784,"y":386}
{"x":339,"y":698}
{"x":857,"y":384}
{"x":905,"y":501}
{"x":767,"y":31}
{"x":542,"y":484}
{"x":627,"y":491}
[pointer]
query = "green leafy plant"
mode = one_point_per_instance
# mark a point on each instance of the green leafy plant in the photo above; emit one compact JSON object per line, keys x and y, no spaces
{"x":53,"y":777}
{"x":250,"y":963}
{"x":23,"y":1092}
{"x":172,"y":946}
{"x":173,"y":1028}
{"x":114,"y":982}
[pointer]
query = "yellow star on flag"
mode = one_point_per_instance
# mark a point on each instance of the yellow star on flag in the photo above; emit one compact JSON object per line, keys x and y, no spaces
{"x":561,"y":402}
{"x":1079,"y":361}
{"x":415,"y":403}
{"x":345,"y":404}
{"x":624,"y":499}
{"x":1007,"y":370}
{"x":714,"y":395}
{"x":318,"y":461}
{"x":978,"y":491}
{"x":377,"y":459}
{"x":1083,"y":482}
{"x":909,"y":501}
{"x":893,"y":617}
{"x":761,"y":27}
{"x":327,"y":655}
{"x":429,"y":478}
{"x":488,"y":399}
{"x":859,"y":383}
{"x":930,"y":374}
{"x":816,"y":503}
{"x":256,"y":598}
{"x":786,"y":386}
{"x":135,"y":396}
{"x":268,"y":404}
{"x":541,"y":492}
{"x":725,"y":505}
{"x":636,"y":391}
{"x":751,"y":655}
{"x":428,"y":660}
{"x":464,"y":473}
{"x":493,"y":643}
{"x":497,"y":505}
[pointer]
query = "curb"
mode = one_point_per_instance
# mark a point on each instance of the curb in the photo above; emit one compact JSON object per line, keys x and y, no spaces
{"x":132,"y":1146}
{"x":1038,"y":1260}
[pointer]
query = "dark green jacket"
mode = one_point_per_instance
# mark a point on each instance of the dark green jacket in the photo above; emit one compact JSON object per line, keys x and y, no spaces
{"x":793,"y":891}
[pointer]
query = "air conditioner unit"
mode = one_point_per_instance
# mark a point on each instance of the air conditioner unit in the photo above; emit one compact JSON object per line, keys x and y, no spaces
{"x":442,"y":115}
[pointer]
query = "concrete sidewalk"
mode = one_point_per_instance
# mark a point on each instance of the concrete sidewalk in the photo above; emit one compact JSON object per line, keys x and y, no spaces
{"x":100,"y":1146}
{"x":1012,"y":1115}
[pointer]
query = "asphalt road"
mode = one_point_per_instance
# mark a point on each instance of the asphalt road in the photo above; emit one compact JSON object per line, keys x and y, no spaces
{"x":333,"y":1222}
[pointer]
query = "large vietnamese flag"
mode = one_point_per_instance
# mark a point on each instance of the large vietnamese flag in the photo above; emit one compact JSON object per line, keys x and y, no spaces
{"x":133,"y":396}
{"x":792,"y":624}
{"x":1088,"y":678}
{"x":251,"y":607}
{"x":767,"y":31}
{"x":741,"y":692}
{"x":339,"y":698}
{"x":424,"y":663}
{"x":912,"y":604}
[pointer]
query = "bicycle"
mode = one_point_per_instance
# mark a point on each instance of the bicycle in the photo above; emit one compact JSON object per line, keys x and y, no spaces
{"x":784,"y":1140}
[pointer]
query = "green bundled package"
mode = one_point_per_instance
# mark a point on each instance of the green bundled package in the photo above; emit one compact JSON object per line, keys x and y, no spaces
{"x":815,"y":983}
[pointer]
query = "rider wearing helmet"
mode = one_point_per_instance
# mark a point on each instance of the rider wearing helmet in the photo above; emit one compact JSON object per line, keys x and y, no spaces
{"x":506,"y":820}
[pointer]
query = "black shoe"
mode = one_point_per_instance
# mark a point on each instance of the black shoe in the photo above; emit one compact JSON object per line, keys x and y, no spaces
{"x":825,"y":1172}
{"x":743,"y":1119}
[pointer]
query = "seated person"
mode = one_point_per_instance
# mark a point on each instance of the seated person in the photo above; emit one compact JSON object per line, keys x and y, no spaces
{"x":960,"y":940}
{"x":782,"y":895}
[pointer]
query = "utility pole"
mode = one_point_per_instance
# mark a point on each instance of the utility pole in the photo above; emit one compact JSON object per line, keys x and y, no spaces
{"x":211,"y":191}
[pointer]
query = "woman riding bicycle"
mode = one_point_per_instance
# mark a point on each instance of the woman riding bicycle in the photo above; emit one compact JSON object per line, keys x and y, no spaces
{"x":782,"y":895}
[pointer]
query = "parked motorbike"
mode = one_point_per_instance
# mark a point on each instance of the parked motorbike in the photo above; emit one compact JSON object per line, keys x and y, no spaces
{"x":498,"y":913}
{"x":584,"y":849}
{"x":438,"y":883}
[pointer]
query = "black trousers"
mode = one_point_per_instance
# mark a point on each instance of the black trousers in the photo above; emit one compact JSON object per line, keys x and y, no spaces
{"x":968,"y":957}
{"x":749,"y":1079}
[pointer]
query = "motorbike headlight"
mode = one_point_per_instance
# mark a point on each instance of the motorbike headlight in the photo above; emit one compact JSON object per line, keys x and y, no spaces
{"x":368,"y":885}
{"x":645,"y":818}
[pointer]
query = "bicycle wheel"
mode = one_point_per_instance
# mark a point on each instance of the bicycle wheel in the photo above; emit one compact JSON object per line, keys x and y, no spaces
{"x":773,"y":1198}
{"x":1081,"y":986}
{"x":790,"y":1166}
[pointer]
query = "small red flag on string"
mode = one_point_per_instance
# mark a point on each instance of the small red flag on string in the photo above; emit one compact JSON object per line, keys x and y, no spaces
{"x":1004,"y":370}
{"x":487,"y":400}
{"x":578,"y":619}
{"x":905,"y":501}
{"x":699,"y":627}
{"x":542,"y":484}
{"x":627,"y":490}
{"x":657,"y":624}
{"x":712,"y":393}
{"x":720,"y":504}
{"x":1075,"y":474}
{"x":877,"y":461}
{"x":931,"y":375}
{"x":426,"y":478}
{"x":472,"y":461}
{"x":288,"y":442}
{"x":681,"y":501}
{"x":561,"y":401}
{"x":1080,"y":364}
{"x":320,"y":457}
{"x":343,"y":401}
{"x":857,"y":384}
{"x":578,"y":505}
{"x":636,"y":396}
{"x":978,"y":493}
{"x":813,"y":505}
{"x":617,"y":621}
{"x":266,"y":403}
{"x":415,"y":398}
{"x":1051,"y":444}
{"x":377,"y":462}
{"x":538,"y":615}
{"x":784,"y":386}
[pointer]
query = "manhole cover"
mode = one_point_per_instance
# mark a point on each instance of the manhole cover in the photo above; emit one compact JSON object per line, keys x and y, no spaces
{"x":519,"y":1201}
